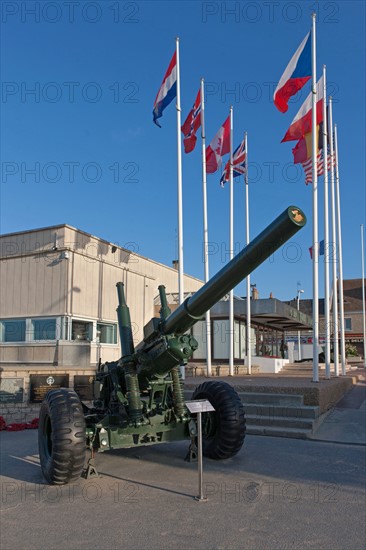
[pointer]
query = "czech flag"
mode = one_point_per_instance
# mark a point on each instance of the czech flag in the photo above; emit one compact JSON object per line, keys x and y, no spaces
{"x":219,"y":146}
{"x":191,"y":125}
{"x":296,"y":75}
{"x":301,"y":124}
{"x":167,"y":91}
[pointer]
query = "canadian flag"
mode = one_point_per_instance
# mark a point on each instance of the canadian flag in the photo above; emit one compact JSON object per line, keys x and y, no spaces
{"x":219,"y":146}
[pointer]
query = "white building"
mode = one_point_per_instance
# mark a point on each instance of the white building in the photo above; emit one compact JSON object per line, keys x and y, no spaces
{"x":58,"y":302}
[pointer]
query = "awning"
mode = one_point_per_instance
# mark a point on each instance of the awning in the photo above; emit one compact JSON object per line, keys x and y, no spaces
{"x":269,"y":312}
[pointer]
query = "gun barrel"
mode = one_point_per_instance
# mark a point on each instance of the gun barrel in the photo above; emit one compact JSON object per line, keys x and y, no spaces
{"x":124,"y":322}
{"x":265,"y":244}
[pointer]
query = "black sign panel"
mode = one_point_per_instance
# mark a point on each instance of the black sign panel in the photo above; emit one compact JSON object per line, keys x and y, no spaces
{"x":83,"y":385}
{"x":11,"y":390}
{"x":41,"y":384}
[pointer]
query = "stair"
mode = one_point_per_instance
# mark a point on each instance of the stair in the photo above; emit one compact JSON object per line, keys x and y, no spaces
{"x":305,"y":369}
{"x":200,"y":369}
{"x":277,"y":414}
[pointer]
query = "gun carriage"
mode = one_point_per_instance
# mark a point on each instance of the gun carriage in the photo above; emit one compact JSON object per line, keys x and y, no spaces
{"x":139,"y":399}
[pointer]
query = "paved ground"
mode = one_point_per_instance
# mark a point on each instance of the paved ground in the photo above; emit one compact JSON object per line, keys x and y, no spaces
{"x":346,"y":423}
{"x":276,"y":494}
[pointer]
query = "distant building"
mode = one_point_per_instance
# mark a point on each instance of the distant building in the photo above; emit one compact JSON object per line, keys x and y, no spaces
{"x":353,"y":314}
{"x":270,"y":319}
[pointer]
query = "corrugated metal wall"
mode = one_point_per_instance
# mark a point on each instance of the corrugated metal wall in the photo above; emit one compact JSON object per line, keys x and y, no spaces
{"x":79,"y":277}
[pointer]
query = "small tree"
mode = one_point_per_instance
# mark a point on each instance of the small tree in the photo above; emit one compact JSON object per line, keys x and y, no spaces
{"x":351,"y":350}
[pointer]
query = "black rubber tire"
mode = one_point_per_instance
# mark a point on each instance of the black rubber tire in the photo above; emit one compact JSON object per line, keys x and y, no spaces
{"x":223,"y":431}
{"x":61,"y":436}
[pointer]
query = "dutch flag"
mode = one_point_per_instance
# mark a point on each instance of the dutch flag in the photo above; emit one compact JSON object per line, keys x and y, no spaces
{"x":167,"y":91}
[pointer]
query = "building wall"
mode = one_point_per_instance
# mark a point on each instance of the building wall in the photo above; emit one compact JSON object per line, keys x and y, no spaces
{"x":33,"y":285}
{"x":64,"y":277}
{"x":79,"y":278}
{"x":356,"y":322}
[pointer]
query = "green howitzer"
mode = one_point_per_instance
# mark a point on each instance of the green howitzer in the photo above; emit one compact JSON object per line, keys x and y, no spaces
{"x":139,"y":399}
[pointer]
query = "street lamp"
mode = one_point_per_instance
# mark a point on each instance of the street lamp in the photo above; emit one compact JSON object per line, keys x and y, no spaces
{"x":299,"y":292}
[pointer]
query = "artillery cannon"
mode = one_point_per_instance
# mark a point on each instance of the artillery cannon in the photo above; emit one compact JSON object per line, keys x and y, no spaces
{"x":139,"y":399}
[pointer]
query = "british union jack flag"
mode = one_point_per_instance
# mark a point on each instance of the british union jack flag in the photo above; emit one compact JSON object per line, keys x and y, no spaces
{"x":239,"y":164}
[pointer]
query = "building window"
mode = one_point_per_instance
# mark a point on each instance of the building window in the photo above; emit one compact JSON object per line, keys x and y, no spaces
{"x":44,"y":329}
{"x":81,"y":330}
{"x":199,"y":333}
{"x":348,"y":323}
{"x":106,"y":333}
{"x":12,"y":330}
{"x":221,"y":331}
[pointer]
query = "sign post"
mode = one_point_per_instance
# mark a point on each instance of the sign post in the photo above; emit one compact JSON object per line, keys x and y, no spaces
{"x":200,"y":406}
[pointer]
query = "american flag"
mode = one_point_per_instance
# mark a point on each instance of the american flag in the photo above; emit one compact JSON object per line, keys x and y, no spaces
{"x":308,"y":165}
{"x":239,"y":164}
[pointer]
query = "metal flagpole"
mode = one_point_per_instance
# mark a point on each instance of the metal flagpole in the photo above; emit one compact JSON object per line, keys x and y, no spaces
{"x":231,"y":251}
{"x":179,"y":193}
{"x":363,"y":298}
{"x":334,"y":241}
{"x":205,"y":224}
{"x":249,"y":349}
{"x":326,"y":231}
{"x":179,"y":182}
{"x":315,"y":213}
{"x":340,"y":256}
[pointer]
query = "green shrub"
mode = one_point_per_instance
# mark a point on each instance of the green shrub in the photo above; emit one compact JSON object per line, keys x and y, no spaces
{"x":351,"y":351}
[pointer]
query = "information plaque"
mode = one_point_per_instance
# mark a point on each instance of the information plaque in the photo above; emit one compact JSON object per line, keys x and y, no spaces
{"x":41,"y":384}
{"x":83,"y":386}
{"x":199,"y":406}
{"x":11,"y":390}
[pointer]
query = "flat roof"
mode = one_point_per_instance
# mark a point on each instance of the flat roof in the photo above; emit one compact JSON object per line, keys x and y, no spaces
{"x":269,"y":312}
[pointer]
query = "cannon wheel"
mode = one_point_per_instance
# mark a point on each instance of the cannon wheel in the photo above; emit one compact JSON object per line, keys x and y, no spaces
{"x":61,"y":436}
{"x":223,"y":430}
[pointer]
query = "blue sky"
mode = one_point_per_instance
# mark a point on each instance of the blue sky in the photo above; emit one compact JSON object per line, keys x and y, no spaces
{"x":82,"y":149}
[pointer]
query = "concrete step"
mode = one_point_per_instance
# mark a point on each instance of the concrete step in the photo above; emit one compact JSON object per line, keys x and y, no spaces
{"x":290,"y":370}
{"x":281,"y":399}
{"x":272,"y":398}
{"x":277,"y":414}
{"x":257,"y":409}
{"x":280,"y":422}
{"x":200,"y":369}
{"x":296,"y":433}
